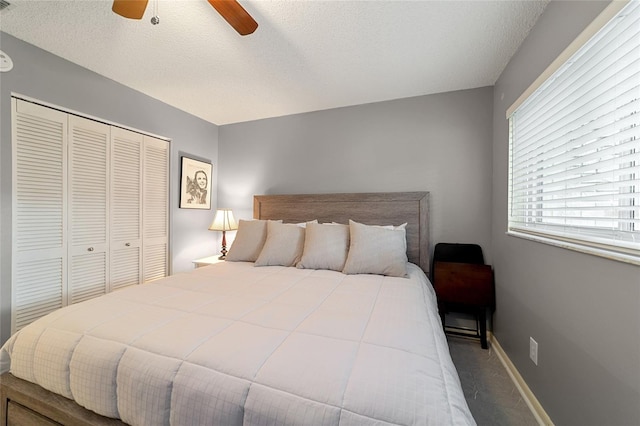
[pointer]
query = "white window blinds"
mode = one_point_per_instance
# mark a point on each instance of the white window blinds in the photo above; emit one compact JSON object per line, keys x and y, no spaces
{"x":575,"y":146}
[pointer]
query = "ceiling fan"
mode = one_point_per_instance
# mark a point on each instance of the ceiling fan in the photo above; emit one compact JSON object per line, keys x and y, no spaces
{"x":230,"y":10}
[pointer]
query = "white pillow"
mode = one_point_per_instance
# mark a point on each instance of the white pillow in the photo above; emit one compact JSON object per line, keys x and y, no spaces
{"x":283,"y":246}
{"x":396,"y":228}
{"x":325,"y":247}
{"x":376,"y":250}
{"x":250,"y":239}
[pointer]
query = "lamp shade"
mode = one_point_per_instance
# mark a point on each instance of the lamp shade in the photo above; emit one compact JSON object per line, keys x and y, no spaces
{"x":223,"y":221}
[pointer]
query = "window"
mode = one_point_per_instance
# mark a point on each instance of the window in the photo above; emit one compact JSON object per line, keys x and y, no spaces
{"x":574,"y":160}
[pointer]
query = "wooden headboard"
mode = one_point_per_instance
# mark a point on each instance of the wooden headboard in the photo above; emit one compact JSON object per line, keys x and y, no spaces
{"x":383,"y":208}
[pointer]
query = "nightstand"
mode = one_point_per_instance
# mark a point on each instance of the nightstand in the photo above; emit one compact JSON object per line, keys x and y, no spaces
{"x":468,"y":288}
{"x":206,"y":261}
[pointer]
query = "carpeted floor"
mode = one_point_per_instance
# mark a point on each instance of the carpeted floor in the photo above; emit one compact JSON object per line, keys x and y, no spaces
{"x":491,"y":395}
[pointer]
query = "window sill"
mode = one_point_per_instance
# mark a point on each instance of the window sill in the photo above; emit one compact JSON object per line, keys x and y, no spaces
{"x":600,"y":252}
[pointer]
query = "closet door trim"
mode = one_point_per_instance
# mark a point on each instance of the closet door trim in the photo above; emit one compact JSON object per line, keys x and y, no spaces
{"x":83,"y":115}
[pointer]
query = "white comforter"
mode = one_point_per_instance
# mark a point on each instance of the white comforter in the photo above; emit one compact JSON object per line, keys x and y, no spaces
{"x":234,"y":344}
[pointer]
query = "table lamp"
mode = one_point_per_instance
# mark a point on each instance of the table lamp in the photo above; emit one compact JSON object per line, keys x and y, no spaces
{"x":223,"y":221}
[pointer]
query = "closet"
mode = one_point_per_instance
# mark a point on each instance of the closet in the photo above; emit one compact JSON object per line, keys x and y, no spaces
{"x":90,"y":209}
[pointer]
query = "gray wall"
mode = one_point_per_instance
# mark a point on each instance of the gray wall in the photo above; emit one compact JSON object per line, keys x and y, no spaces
{"x":41,"y":75}
{"x":439,"y":143}
{"x":584,"y":311}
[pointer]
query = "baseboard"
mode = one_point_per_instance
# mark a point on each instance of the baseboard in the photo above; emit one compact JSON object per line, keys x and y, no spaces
{"x":532,"y":402}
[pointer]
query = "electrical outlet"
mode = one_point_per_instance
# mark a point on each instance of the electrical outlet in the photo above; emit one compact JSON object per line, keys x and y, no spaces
{"x":533,"y":350}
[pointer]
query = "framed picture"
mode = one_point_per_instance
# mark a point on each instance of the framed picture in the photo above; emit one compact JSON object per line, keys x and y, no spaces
{"x":195,"y":184}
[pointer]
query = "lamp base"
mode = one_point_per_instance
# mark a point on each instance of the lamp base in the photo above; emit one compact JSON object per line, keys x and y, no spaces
{"x":224,"y":247}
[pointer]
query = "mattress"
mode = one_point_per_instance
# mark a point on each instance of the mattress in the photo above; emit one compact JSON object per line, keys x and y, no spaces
{"x":234,"y":344}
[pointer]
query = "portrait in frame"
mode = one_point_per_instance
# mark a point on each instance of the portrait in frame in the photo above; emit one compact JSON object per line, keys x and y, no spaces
{"x":195,"y":184}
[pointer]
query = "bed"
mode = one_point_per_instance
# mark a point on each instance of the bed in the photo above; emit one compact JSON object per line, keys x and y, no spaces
{"x":257,"y":341}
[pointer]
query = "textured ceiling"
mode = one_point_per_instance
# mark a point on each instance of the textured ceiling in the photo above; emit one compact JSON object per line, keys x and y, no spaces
{"x":305,"y":55}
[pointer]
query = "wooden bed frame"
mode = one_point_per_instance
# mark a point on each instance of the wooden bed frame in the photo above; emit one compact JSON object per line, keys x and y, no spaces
{"x":25,"y":403}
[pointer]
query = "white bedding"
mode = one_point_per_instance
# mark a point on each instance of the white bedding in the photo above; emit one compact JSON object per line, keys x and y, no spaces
{"x":234,"y":344}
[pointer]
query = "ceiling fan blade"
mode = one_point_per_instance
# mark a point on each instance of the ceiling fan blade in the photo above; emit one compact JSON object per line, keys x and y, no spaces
{"x":132,"y":9}
{"x":235,"y":15}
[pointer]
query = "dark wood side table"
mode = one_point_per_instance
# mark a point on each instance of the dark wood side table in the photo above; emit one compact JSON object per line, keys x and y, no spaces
{"x":468,"y":288}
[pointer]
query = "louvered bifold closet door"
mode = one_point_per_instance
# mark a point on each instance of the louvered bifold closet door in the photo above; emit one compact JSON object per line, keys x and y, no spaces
{"x":126,"y":208}
{"x":39,"y":211}
{"x":89,"y":208}
{"x":156,"y":208}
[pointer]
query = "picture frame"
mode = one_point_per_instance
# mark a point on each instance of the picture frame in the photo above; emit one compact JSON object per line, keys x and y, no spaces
{"x":195,"y":184}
